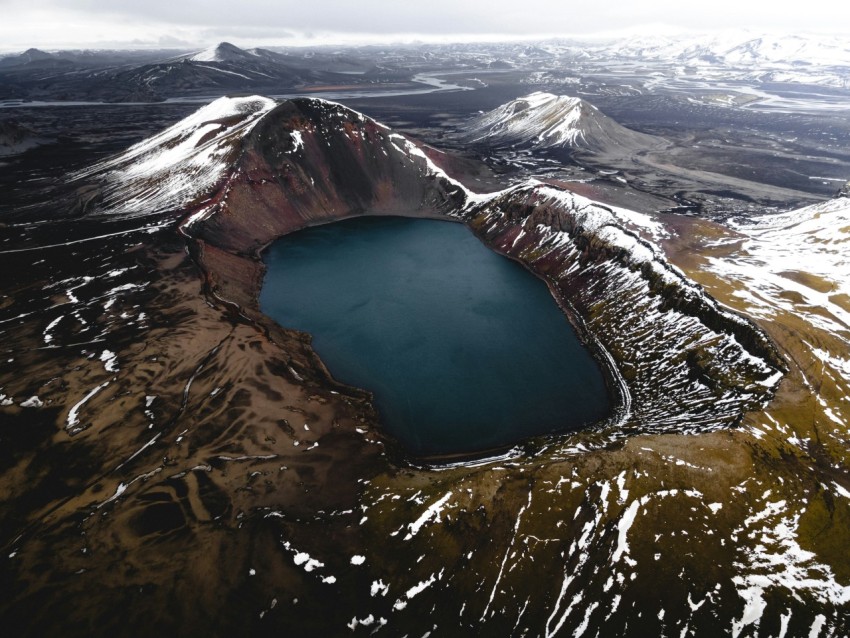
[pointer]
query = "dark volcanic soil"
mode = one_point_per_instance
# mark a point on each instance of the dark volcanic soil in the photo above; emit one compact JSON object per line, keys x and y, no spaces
{"x":173,"y":462}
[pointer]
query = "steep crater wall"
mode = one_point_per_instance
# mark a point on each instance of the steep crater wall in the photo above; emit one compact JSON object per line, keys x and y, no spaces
{"x":309,"y":162}
{"x":687,"y":363}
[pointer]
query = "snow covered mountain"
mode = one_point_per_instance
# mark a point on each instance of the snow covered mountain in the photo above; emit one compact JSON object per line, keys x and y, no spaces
{"x":187,"y":160}
{"x":737,"y":55}
{"x":199,"y":162}
{"x":30,"y":55}
{"x":34,"y":59}
{"x":543,"y":120}
{"x":222,"y":66}
{"x":222,"y":52}
{"x":731,"y":48}
{"x":219,"y":70}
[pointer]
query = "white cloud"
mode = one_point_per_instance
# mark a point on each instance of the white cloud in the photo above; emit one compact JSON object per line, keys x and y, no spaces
{"x":57,"y":23}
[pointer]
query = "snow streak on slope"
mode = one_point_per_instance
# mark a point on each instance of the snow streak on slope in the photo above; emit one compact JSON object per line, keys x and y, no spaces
{"x":433,"y":171}
{"x":171,"y":170}
{"x":603,"y":541}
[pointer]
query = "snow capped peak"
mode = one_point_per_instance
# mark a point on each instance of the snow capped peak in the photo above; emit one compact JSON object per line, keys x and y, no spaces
{"x":28,"y":56}
{"x":36,"y":54}
{"x":562,"y":106}
{"x":545,"y":120}
{"x":183,"y":167}
{"x":172,"y":169}
{"x":222,"y":52}
{"x":541,"y":98}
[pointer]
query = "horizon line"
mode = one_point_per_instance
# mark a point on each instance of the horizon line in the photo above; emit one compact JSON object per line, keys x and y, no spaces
{"x":413,"y":39}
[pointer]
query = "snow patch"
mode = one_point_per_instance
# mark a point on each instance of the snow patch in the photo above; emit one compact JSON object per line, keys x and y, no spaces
{"x":73,"y":414}
{"x":109,"y":360}
{"x":433,"y":512}
{"x":32,"y":402}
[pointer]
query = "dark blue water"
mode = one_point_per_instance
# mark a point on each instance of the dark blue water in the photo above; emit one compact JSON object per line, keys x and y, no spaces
{"x":463,"y":349}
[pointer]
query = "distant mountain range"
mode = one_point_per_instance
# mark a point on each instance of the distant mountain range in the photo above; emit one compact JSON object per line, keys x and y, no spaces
{"x":733,"y":50}
{"x":118,"y":76}
{"x":32,"y":57}
{"x":808,"y":59}
{"x":223,"y":68}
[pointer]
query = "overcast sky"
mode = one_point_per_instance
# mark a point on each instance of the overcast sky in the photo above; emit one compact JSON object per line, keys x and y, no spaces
{"x":192,"y":23}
